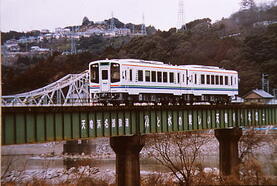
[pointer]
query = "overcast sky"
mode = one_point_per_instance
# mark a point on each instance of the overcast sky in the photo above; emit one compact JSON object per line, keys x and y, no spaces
{"x":25,"y":15}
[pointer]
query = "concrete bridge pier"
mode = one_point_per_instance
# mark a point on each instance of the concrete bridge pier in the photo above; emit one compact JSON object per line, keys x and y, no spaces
{"x":228,"y":150}
{"x":127,"y":150}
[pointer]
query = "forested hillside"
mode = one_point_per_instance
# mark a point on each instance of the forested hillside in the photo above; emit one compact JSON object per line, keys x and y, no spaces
{"x":237,"y":43}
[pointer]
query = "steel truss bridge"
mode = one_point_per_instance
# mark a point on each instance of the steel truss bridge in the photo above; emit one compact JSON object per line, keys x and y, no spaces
{"x":41,"y":124}
{"x":69,"y":90}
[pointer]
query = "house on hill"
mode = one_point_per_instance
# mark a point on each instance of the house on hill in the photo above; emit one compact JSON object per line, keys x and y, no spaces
{"x":258,"y":96}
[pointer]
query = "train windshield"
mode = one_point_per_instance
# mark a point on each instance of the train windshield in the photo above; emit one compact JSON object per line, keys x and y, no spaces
{"x":94,"y":73}
{"x":115,"y":72}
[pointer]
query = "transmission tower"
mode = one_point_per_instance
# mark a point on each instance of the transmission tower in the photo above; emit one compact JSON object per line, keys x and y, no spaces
{"x":265,"y":82}
{"x":180,"y":21}
{"x":73,"y":42}
{"x":143,"y":29}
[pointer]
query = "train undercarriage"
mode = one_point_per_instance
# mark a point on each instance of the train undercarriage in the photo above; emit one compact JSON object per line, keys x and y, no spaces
{"x":164,"y":99}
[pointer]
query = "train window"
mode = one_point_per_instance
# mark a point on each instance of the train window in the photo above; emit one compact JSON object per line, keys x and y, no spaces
{"x":140,"y":75}
{"x":208,"y":79}
{"x":94,"y":73}
{"x":216,"y":80}
{"x":115,"y":72}
{"x":202,"y":79}
{"x":195,"y":78}
{"x":178,"y":77}
{"x":165,"y":77}
{"x":231,"y":80}
{"x":226,"y":80}
{"x":147,"y":75}
{"x":104,"y":74}
{"x":159,"y":76}
{"x":221,"y":80}
{"x":171,"y":77}
{"x":153,"y":76}
{"x":212,"y":79}
{"x":131,"y":75}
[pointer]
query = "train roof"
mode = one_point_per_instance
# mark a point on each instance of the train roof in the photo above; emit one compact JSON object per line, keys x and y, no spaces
{"x":153,"y":63}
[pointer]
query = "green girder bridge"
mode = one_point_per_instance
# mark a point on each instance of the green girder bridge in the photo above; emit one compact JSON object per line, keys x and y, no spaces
{"x":43,"y":124}
{"x":127,"y":127}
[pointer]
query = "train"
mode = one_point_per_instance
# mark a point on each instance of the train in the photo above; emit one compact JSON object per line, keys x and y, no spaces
{"x":130,"y":81}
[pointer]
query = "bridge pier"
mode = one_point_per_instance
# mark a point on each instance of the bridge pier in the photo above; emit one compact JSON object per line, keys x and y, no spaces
{"x":127,"y":150}
{"x":228,"y":150}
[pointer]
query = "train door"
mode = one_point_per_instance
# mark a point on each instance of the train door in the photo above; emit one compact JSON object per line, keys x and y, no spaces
{"x":105,"y":84}
{"x":190,"y":81}
{"x":183,"y":78}
{"x":179,"y":82}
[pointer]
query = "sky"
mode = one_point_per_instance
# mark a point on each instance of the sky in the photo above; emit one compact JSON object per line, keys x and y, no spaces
{"x":26,"y":15}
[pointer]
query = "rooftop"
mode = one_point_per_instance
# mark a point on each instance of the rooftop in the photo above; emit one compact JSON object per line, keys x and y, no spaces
{"x":261,"y":93}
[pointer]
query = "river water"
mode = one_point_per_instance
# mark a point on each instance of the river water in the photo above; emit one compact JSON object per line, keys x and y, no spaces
{"x":49,"y":156}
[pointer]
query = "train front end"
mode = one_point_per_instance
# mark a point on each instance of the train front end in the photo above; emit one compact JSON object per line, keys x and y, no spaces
{"x":103,"y":76}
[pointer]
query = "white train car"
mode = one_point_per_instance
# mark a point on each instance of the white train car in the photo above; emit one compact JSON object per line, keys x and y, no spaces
{"x":132,"y":80}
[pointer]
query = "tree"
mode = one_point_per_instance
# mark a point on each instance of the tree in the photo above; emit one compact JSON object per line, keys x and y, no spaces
{"x":180,"y":153}
{"x":192,"y":24}
{"x":251,"y":140}
{"x":250,"y":168}
{"x":85,"y":21}
{"x":248,"y":4}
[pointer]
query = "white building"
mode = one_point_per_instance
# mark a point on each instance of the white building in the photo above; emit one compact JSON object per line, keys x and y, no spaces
{"x":123,"y":31}
{"x":45,"y":31}
{"x":12,"y":47}
{"x":118,"y":32}
{"x":38,"y":49}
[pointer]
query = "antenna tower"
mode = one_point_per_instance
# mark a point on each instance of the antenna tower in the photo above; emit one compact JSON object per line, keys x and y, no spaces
{"x":181,"y":22}
{"x":143,"y":29}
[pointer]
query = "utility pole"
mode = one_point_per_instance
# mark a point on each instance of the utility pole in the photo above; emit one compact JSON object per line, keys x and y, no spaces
{"x":274,"y":92}
{"x":133,"y":29}
{"x":112,"y":26}
{"x":73,"y":42}
{"x":265,"y":82}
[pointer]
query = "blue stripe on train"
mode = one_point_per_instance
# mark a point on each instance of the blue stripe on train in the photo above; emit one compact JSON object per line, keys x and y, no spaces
{"x":176,"y":88}
{"x":171,"y":88}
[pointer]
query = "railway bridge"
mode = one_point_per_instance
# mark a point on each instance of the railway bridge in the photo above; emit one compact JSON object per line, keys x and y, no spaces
{"x":57,"y":112}
{"x":127,"y":126}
